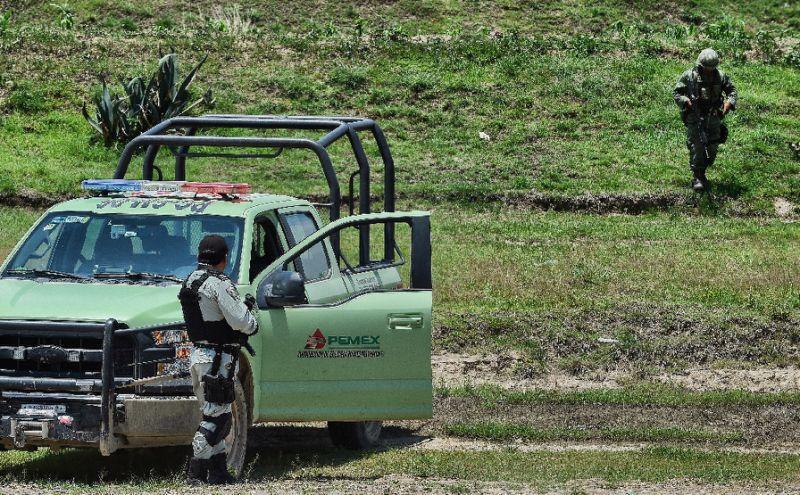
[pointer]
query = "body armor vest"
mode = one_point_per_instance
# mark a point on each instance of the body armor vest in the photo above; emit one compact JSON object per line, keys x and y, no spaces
{"x":213,"y":332}
{"x":708,"y":91}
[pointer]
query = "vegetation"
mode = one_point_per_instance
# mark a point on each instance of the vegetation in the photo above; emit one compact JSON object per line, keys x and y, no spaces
{"x":674,"y":290}
{"x":584,"y":110}
{"x":120,"y":119}
{"x":503,"y":432}
{"x":639,"y":394}
{"x":131,"y":473}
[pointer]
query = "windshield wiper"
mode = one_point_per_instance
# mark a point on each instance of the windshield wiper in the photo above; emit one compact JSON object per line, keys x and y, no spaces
{"x":44,"y":273}
{"x":139,"y":276}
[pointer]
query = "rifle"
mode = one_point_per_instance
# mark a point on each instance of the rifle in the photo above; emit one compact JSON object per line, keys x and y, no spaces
{"x":702,"y":120}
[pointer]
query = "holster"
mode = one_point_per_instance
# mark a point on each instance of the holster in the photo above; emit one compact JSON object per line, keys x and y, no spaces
{"x":220,"y":389}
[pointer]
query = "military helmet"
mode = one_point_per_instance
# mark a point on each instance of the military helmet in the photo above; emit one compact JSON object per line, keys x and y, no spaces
{"x":708,"y":58}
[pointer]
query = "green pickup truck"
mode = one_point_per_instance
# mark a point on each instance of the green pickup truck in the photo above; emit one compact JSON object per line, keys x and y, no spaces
{"x":93,"y":351}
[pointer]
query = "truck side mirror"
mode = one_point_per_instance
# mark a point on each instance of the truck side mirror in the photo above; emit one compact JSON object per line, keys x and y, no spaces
{"x":288,"y":289}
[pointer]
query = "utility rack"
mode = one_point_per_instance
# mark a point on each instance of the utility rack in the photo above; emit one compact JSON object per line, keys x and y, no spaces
{"x":180,"y":134}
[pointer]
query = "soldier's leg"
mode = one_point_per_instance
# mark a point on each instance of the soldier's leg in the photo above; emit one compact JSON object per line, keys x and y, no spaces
{"x":197,"y":471}
{"x":209,"y":442}
{"x":697,"y":159}
{"x":714,"y":131}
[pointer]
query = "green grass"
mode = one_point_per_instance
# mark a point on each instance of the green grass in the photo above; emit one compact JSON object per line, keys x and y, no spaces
{"x":675,"y":290}
{"x":570,"y":111}
{"x":640,"y":394}
{"x":15,"y":222}
{"x":129,"y":473}
{"x":503,"y":432}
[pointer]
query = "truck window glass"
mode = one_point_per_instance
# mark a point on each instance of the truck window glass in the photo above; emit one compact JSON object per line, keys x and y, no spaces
{"x":87,"y":244}
{"x":266,"y":246}
{"x":315,"y":264}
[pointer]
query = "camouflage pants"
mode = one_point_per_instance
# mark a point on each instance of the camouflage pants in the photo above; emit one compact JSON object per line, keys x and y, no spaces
{"x":697,"y":156}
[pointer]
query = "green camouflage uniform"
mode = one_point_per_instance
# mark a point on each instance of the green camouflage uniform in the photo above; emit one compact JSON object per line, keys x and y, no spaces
{"x":710,"y":91}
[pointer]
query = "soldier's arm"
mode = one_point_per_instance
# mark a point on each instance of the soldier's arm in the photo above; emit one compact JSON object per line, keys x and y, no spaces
{"x":681,"y":92}
{"x":730,"y":91}
{"x":234,"y":310}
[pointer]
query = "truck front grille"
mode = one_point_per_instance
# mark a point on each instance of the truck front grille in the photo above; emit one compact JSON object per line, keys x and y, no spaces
{"x":61,"y":352}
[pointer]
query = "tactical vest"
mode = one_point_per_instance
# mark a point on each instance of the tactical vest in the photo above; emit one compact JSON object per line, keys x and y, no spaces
{"x":710,"y":95}
{"x":213,"y":332}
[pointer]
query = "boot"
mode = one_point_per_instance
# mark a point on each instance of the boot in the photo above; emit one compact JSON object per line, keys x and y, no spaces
{"x":704,"y":180}
{"x":699,"y":181}
{"x":218,"y":470}
{"x":197,"y":472}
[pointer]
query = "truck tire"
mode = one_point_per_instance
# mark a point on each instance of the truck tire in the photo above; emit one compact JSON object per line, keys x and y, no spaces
{"x":355,"y":435}
{"x":237,"y":439}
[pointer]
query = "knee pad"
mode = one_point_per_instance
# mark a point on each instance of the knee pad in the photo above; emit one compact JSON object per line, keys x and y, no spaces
{"x":222,"y":426}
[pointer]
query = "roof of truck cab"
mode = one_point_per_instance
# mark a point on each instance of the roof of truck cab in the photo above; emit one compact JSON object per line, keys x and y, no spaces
{"x":174,"y":206}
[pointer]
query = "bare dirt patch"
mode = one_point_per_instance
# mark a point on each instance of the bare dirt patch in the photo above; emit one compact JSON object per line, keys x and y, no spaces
{"x":783,"y":207}
{"x":453,"y":370}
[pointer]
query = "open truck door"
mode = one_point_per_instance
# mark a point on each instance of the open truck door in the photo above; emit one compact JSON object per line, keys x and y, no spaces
{"x":362,"y":357}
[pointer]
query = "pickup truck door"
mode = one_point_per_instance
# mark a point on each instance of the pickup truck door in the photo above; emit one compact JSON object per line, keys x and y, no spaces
{"x":365,"y":355}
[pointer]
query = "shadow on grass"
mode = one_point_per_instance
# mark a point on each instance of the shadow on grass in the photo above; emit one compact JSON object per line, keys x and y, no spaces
{"x":273,"y":452}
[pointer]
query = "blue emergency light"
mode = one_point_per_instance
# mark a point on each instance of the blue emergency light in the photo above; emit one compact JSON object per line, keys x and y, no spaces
{"x":111,"y":185}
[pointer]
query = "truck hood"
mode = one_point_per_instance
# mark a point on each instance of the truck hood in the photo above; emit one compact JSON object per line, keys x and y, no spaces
{"x":136,"y":305}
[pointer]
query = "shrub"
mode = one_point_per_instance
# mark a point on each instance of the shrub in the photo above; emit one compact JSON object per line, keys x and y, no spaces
{"x":66,"y":16}
{"x":120,"y":119}
{"x":5,"y":22}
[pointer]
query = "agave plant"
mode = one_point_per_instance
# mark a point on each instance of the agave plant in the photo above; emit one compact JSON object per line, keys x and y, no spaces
{"x":118,"y":119}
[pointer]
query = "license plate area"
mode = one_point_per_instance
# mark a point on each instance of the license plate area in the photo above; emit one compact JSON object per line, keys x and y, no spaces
{"x":39,"y":410}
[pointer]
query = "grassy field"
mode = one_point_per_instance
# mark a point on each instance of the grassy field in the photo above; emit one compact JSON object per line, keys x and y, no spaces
{"x":131,"y":473}
{"x":569,"y":111}
{"x":576,"y":100}
{"x":675,"y":290}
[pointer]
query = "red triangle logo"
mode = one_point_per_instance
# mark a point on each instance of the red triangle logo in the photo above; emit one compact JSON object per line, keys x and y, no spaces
{"x":316,"y":340}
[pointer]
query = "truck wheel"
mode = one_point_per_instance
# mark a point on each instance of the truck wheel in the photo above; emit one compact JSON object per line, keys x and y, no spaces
{"x":355,"y":435}
{"x":237,"y":439}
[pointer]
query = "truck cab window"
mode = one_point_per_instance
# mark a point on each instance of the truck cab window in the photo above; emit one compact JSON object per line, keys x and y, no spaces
{"x":314,"y":263}
{"x":266,"y":246}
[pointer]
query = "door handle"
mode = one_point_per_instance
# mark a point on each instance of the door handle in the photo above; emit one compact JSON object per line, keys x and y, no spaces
{"x":405,"y":321}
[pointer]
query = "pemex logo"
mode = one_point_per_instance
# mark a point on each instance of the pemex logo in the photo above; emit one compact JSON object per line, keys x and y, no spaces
{"x":316,"y":340}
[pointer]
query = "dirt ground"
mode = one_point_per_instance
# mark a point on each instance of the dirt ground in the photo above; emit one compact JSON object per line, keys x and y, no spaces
{"x":451,"y":369}
{"x":773,"y":429}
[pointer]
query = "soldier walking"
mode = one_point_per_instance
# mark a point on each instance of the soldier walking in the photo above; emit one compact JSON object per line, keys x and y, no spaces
{"x":218,"y":323}
{"x":705,"y":95}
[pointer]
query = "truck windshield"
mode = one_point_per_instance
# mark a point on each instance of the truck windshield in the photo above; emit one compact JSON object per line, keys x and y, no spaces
{"x":84,"y":245}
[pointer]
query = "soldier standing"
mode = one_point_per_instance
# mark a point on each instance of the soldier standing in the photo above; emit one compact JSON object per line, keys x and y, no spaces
{"x":705,"y":95}
{"x":218,"y":323}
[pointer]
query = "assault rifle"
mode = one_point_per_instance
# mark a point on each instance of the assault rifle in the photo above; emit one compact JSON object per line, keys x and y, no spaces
{"x":702,"y":120}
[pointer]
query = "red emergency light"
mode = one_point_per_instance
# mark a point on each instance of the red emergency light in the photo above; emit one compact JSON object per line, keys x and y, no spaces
{"x":228,"y":188}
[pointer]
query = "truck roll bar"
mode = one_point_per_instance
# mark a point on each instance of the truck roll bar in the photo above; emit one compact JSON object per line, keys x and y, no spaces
{"x":180,"y":143}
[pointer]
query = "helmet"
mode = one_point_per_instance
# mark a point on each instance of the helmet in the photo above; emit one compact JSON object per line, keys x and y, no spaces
{"x":708,"y":58}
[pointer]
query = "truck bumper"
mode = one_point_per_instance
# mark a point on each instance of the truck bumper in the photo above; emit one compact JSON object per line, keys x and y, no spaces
{"x":72,"y":421}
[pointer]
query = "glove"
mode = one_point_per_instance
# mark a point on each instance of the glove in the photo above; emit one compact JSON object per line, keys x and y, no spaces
{"x":250,"y":301}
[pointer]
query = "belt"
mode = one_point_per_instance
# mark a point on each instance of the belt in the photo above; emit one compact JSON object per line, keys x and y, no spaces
{"x":218,"y":347}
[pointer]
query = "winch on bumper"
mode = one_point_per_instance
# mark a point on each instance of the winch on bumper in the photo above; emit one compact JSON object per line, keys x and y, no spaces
{"x":64,"y":384}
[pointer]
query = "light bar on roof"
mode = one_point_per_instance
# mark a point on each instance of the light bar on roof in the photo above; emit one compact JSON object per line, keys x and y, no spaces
{"x":111,"y":185}
{"x":216,"y":188}
{"x":165,"y":188}
{"x":162,"y":186}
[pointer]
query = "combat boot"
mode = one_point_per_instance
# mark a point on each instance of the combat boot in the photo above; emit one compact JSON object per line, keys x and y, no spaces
{"x":197,"y":472}
{"x":699,"y":181}
{"x":218,"y":470}
{"x":704,"y":180}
